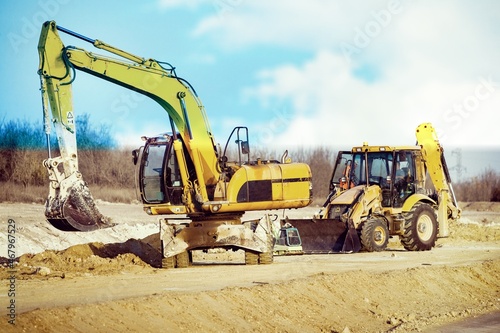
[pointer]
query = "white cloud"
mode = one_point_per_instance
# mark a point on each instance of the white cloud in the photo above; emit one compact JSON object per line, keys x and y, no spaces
{"x":297,"y":24}
{"x":429,"y":58}
{"x":332,"y":107}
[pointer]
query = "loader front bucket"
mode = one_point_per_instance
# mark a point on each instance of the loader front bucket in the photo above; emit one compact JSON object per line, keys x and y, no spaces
{"x":326,"y":236}
{"x":76,"y":211}
{"x":352,"y":243}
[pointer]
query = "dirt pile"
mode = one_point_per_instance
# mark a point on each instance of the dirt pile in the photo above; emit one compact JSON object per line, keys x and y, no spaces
{"x":100,"y":258}
{"x":468,"y":230}
{"x":108,"y":281}
{"x":88,"y":259}
{"x":409,"y":300}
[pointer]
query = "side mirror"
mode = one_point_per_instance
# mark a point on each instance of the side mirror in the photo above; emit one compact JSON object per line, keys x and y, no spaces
{"x":245,"y":147}
{"x":135,"y":156}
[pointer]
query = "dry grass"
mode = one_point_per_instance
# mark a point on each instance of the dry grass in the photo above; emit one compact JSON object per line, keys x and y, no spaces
{"x":110,"y":175}
{"x":114,"y":194}
{"x":14,"y":192}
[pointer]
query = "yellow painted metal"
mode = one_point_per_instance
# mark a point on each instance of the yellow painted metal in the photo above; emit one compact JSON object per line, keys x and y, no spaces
{"x":413,"y":199}
{"x":208,"y":191}
{"x":432,"y":154}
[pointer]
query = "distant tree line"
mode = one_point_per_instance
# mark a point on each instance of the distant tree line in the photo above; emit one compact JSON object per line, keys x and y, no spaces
{"x":23,"y":146}
{"x":103,"y":164}
{"x":484,"y":187}
{"x":25,"y":135}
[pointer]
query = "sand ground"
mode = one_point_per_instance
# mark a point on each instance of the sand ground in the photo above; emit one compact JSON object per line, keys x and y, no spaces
{"x":109,"y":281}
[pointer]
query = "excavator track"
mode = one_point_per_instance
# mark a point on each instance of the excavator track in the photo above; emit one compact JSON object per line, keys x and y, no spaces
{"x":76,"y":212}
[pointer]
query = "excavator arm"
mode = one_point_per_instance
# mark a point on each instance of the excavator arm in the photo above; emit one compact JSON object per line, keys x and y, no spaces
{"x":433,"y":155}
{"x":69,"y":197}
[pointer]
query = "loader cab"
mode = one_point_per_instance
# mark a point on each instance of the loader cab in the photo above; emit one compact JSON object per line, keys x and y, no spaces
{"x":390,"y":168}
{"x":342,"y":172}
{"x":158,"y":177}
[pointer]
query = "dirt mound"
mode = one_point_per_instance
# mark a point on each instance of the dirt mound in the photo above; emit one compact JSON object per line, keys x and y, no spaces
{"x":411,"y":300}
{"x":98,"y":258}
{"x":469,"y":230}
{"x":89,"y":259}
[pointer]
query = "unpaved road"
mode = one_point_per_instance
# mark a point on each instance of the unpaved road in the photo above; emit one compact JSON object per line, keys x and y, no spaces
{"x":108,"y":281}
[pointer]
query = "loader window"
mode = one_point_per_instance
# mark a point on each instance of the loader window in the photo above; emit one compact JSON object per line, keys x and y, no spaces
{"x":375,"y":168}
{"x":342,"y":171}
{"x":404,"y":178}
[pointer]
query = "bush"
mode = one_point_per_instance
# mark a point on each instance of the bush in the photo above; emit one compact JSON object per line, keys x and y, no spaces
{"x":484,"y":187}
{"x":90,"y":137}
{"x":23,"y":144}
{"x":495,"y":194}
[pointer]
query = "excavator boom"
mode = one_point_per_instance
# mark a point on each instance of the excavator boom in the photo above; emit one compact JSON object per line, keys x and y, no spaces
{"x":70,"y":205}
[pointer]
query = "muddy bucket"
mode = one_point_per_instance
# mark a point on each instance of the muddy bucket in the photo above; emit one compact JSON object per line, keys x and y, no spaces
{"x":76,"y":212}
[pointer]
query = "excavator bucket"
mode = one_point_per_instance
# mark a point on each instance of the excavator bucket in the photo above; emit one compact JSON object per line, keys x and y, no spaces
{"x":326,"y":236}
{"x":76,"y":211}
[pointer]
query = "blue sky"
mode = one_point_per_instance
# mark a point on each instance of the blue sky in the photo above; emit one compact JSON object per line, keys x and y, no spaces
{"x":297,"y":73}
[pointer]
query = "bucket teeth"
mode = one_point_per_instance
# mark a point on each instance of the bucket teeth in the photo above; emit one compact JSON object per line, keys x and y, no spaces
{"x":76,"y":212}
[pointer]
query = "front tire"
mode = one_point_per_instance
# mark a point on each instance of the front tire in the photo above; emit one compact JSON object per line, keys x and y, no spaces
{"x":421,"y":228}
{"x":374,"y":235}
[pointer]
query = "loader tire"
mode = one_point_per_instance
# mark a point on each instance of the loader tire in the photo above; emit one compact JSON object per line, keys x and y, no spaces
{"x":374,"y":235}
{"x":251,"y":258}
{"x":266,"y":258}
{"x":421,"y":228}
{"x":168,"y":262}
{"x":182,"y":259}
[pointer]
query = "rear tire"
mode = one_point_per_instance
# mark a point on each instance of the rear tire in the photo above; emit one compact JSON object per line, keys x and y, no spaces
{"x":421,"y":228}
{"x":251,"y":258}
{"x":374,"y":235}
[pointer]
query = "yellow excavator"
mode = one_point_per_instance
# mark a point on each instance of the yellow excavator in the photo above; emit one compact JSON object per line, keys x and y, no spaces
{"x":382,"y":191}
{"x":182,"y":174}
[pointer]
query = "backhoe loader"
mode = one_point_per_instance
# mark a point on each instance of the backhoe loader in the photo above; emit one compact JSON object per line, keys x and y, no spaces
{"x":182,"y":173}
{"x":382,"y":191}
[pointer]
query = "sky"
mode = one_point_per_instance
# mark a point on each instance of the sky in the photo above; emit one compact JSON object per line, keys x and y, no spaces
{"x":307,"y":73}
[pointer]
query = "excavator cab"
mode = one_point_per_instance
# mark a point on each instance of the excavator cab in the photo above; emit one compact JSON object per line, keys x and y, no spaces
{"x":158,"y":172}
